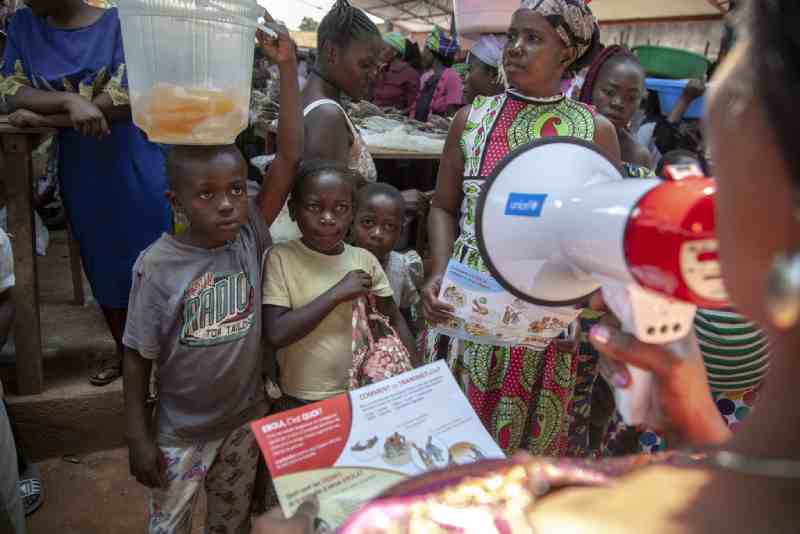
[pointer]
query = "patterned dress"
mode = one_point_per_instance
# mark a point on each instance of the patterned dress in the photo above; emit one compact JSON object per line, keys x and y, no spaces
{"x":630,"y":170}
{"x":522,"y":396}
{"x":498,"y":496}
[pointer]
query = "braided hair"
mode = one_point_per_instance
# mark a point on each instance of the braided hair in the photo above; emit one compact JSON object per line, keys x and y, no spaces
{"x":344,"y":24}
{"x":312,"y":168}
{"x":609,"y":54}
{"x":776,"y":62}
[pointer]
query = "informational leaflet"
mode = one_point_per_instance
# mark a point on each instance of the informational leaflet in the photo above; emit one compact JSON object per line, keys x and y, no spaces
{"x":487,"y":313}
{"x":350,"y":448}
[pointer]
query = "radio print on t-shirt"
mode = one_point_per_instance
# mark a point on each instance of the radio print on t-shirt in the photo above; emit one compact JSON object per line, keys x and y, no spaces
{"x":217,"y":309}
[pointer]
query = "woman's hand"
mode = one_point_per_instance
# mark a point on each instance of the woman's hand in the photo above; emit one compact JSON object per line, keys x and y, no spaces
{"x":22,"y":118}
{"x":281,"y":51}
{"x":86,"y":117}
{"x":301,"y":523}
{"x":681,"y":382}
{"x":435,"y":311}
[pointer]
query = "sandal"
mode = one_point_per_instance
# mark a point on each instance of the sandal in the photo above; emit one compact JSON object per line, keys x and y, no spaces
{"x":108,"y":371}
{"x":31,"y":489}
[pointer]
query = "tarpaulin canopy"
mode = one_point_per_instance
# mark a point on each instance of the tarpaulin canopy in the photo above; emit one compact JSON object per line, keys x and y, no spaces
{"x":410,"y":15}
{"x":420,"y":15}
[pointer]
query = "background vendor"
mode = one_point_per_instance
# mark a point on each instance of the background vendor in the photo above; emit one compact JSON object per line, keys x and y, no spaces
{"x":397,"y":83}
{"x":442,"y":91}
{"x":484,"y":60}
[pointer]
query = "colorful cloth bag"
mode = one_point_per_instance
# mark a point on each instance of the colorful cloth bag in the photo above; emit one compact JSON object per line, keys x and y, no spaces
{"x":378,"y":352}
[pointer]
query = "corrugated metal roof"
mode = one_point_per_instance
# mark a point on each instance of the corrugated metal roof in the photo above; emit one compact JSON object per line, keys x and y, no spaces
{"x":410,"y":15}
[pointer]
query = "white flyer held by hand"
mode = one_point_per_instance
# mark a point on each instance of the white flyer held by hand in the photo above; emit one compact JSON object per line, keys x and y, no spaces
{"x":486,"y":313}
{"x":351,"y":447}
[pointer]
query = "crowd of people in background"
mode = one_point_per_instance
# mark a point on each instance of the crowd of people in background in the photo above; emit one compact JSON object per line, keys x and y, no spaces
{"x":63,"y":66}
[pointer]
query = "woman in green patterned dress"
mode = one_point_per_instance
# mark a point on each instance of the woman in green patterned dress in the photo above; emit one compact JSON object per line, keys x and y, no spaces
{"x":523,"y":396}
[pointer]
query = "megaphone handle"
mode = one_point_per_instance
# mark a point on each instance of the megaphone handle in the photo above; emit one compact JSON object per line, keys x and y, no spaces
{"x":637,"y":403}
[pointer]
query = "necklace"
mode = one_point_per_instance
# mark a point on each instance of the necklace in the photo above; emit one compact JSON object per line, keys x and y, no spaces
{"x":538,"y":100}
{"x":749,"y":465}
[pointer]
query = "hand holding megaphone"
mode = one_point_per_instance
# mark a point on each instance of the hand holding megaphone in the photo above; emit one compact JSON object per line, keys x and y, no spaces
{"x":557,"y":221}
{"x":680,"y":390}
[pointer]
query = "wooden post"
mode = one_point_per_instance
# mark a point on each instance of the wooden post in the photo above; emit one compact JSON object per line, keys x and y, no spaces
{"x":27,"y":335}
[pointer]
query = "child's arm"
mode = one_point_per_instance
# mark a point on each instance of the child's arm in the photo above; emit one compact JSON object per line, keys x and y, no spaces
{"x":280,"y":176}
{"x":146,"y":461}
{"x":285,"y":326}
{"x":387,"y":306}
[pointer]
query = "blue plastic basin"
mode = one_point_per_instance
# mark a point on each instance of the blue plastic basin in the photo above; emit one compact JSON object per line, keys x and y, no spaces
{"x":669,"y":91}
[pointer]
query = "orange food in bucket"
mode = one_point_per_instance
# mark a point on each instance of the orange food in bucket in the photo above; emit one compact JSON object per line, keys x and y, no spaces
{"x":169,"y":113}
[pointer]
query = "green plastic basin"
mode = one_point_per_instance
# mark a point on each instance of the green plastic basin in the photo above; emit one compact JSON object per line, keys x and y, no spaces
{"x":663,"y":62}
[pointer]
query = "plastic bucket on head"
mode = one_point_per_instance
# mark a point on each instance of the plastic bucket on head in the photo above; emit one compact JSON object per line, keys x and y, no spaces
{"x":190,"y":67}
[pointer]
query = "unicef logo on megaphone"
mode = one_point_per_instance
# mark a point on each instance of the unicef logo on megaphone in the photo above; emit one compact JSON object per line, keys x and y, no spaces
{"x":525,"y":205}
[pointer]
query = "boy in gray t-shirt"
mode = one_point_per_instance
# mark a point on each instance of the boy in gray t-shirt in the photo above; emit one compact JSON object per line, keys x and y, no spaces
{"x":195,"y":309}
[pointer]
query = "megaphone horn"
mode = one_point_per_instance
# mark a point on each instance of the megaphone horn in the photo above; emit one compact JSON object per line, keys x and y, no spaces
{"x":556,"y":221}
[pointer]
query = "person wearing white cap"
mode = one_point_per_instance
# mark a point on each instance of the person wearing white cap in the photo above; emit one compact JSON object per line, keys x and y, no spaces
{"x":484,"y":78}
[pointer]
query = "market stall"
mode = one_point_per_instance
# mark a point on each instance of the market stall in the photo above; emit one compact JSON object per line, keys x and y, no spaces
{"x":389,"y":133}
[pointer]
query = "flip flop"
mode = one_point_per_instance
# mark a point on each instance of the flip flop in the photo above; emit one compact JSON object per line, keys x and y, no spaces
{"x":109,"y":371}
{"x":31,"y":489}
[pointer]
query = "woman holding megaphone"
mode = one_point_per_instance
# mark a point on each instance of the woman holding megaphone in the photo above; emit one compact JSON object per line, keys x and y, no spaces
{"x":522,"y":395}
{"x":744,"y":483}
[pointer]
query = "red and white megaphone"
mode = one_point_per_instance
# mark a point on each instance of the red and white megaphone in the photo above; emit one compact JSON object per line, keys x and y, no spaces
{"x":557,"y":221}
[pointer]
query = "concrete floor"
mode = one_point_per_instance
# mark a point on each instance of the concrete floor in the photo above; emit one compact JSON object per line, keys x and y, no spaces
{"x":95,"y":496}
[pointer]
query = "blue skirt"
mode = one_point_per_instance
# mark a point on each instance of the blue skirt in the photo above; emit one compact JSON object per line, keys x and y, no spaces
{"x":113,"y":191}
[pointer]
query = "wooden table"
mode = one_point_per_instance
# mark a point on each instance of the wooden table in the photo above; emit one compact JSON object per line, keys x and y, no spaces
{"x":388,"y":153}
{"x":17,"y":172}
{"x":376,"y":152}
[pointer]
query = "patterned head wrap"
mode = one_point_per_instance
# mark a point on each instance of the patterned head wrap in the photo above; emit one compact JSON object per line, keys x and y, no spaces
{"x":489,"y":49}
{"x":438,"y":42}
{"x":396,"y":41}
{"x":572,"y":20}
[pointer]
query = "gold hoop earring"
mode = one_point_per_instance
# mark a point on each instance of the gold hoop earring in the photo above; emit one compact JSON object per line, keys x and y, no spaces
{"x":783,"y":288}
{"x":783,"y":291}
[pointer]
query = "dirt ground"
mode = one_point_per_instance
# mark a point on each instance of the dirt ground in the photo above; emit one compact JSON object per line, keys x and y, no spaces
{"x":95,"y":496}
